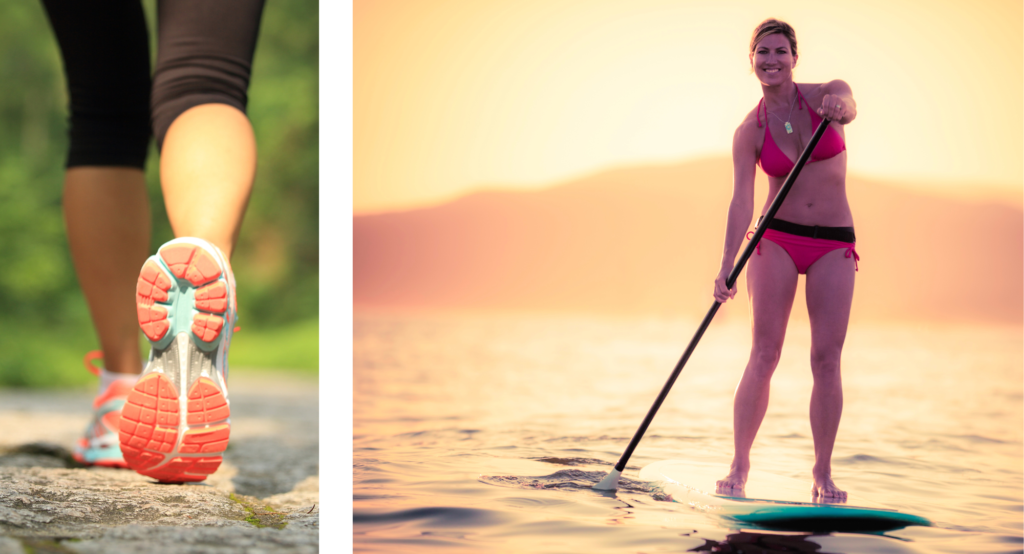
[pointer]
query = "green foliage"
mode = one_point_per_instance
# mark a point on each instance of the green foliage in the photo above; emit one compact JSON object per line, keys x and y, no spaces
{"x":276,"y":261}
{"x":36,"y":356}
{"x":292,"y":347}
{"x":281,"y":261}
{"x":36,"y":280}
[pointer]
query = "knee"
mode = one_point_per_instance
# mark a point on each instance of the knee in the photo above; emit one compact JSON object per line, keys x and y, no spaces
{"x":764,"y":358}
{"x":214,"y":71}
{"x":106,"y":63}
{"x":169,"y":101}
{"x":825,"y":363}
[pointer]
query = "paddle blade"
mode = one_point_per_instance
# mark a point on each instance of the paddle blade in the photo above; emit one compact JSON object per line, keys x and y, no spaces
{"x":610,"y":482}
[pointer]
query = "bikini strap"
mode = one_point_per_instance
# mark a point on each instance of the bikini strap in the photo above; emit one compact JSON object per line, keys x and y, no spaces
{"x":799,"y":97}
{"x":856,"y":257}
{"x":750,"y":236}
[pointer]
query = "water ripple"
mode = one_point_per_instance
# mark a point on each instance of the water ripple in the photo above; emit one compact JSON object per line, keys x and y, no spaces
{"x":565,"y":479}
{"x":573,"y":461}
{"x":978,"y":439}
{"x":434,"y":516}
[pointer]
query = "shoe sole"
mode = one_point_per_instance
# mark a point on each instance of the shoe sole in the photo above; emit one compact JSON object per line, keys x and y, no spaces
{"x":175,"y":423}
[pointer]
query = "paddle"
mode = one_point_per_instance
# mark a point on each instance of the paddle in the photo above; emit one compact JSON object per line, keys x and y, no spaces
{"x":611,"y":481}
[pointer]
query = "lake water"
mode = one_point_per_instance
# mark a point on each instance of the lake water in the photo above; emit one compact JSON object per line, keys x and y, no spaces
{"x":485,"y":433}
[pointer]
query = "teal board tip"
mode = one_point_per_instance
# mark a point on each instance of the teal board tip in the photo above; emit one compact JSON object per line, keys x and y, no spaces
{"x":822,"y":518}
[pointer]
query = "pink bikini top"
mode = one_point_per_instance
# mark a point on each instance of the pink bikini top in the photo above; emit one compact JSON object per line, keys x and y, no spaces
{"x":775,"y":162}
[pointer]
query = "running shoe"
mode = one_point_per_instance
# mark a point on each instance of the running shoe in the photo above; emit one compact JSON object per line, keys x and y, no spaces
{"x":99,"y":445}
{"x":175,"y":424}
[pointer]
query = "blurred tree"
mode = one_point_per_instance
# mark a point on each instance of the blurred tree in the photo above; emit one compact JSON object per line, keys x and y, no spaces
{"x":36,"y":278}
{"x":278,"y":250}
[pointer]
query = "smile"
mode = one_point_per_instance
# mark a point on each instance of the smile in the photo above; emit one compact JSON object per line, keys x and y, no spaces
{"x":776,"y":70}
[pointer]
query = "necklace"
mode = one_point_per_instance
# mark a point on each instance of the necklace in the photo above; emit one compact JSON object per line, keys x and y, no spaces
{"x":789,"y":127}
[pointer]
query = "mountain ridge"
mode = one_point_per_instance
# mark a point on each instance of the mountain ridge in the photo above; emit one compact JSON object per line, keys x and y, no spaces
{"x":648,"y":239}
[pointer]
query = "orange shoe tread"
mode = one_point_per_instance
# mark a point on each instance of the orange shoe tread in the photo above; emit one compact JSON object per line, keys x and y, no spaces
{"x":207,"y":327}
{"x":149,"y":429}
{"x":190,"y":262}
{"x":149,"y":422}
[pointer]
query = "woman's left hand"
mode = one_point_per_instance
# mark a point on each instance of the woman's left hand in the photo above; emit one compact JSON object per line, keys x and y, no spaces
{"x":831,"y":107}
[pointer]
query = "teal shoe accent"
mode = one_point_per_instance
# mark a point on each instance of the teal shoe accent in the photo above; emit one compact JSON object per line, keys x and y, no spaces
{"x":99,"y":443}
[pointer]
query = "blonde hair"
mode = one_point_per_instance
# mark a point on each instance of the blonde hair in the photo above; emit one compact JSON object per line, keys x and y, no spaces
{"x":773,"y":26}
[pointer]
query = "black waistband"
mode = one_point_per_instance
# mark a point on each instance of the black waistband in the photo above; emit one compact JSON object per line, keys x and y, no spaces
{"x":841,"y":234}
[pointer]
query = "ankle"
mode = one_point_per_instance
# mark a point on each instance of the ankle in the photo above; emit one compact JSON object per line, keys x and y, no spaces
{"x":740,"y":464}
{"x":108,"y":378}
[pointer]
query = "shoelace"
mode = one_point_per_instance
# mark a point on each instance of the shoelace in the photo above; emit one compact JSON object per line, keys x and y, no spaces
{"x":90,"y":358}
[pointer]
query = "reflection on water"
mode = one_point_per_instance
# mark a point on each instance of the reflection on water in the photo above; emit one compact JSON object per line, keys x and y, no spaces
{"x":756,"y":543}
{"x":486,"y":434}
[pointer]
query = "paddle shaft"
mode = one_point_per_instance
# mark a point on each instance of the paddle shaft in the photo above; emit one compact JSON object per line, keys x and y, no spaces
{"x":776,"y":204}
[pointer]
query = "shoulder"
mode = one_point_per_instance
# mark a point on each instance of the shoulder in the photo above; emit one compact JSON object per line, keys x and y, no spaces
{"x":749,"y":135}
{"x":749,"y":127}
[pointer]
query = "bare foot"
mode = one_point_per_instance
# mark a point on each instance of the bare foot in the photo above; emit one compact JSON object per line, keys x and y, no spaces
{"x":734,"y":482}
{"x":825,"y":490}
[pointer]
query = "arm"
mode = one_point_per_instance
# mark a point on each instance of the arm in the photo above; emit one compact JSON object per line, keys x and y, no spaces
{"x":741,"y":209}
{"x":837,"y":101}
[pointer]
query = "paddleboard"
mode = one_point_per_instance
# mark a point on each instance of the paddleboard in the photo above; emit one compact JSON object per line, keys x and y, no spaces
{"x":770,"y":501}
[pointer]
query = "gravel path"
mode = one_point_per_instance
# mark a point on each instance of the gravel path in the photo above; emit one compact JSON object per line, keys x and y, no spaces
{"x":264,"y":498}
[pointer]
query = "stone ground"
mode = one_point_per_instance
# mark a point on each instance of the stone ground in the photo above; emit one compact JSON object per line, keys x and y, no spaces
{"x":264,"y":498}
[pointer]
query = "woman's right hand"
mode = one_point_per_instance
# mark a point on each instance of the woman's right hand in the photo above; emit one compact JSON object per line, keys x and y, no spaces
{"x":721,"y":292}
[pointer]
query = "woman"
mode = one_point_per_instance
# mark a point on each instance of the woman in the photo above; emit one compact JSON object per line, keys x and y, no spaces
{"x":172,"y":422}
{"x":811,"y":234}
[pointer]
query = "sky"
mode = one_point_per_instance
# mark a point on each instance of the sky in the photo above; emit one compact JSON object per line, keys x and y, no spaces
{"x":451,"y":96}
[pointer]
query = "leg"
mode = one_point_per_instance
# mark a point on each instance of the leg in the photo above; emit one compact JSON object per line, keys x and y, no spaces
{"x":829,"y":296}
{"x":207,"y":169}
{"x":771,"y":285}
{"x":186,"y":302}
{"x":200,"y":87}
{"x":106,"y":212}
{"x":106,"y":209}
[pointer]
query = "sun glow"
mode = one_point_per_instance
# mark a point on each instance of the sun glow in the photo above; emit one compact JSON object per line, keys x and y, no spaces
{"x":452,"y":95}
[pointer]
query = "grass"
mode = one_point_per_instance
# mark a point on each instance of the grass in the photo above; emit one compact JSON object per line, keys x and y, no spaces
{"x":34,"y":356}
{"x":259,"y":517}
{"x":46,"y":546}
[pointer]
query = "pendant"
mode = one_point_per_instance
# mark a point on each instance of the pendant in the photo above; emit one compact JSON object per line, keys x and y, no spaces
{"x":789,"y":129}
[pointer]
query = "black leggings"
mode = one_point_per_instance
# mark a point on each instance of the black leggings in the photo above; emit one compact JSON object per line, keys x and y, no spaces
{"x":204,"y":56}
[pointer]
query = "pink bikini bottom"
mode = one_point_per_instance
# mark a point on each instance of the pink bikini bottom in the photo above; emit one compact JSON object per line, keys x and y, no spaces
{"x":804,"y":251}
